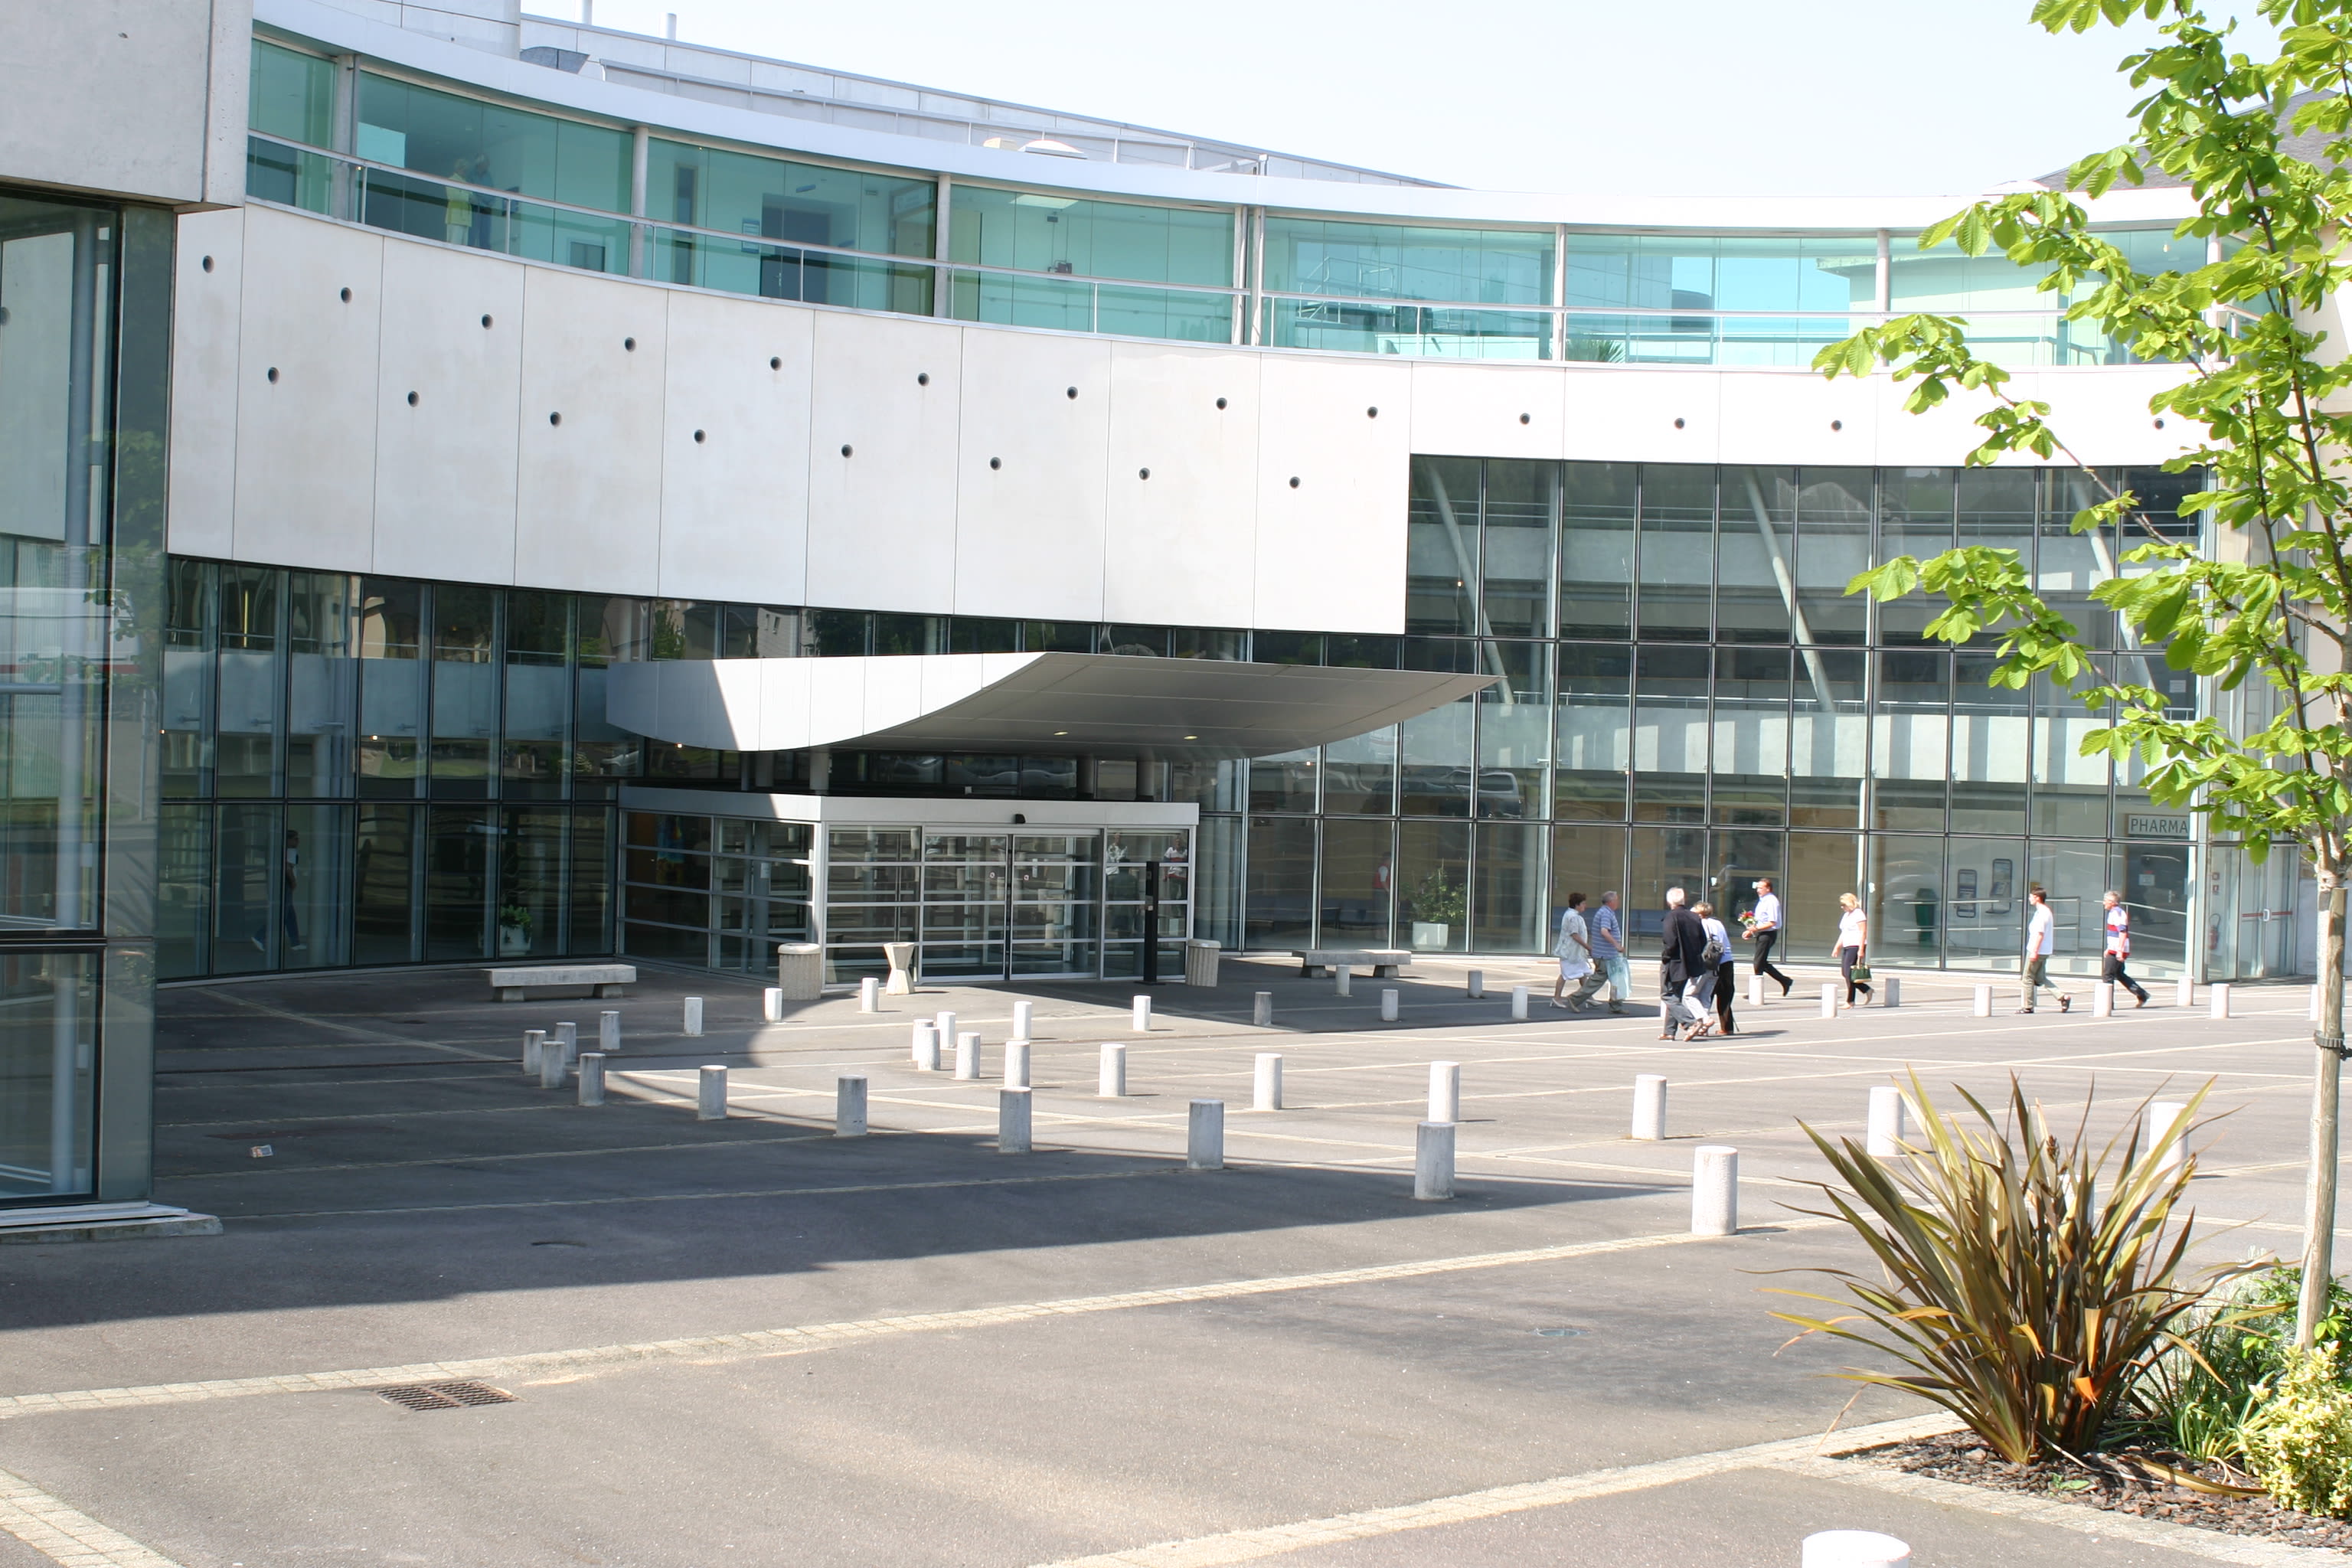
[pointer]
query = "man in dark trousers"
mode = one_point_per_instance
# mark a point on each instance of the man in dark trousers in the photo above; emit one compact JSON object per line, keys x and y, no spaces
{"x":1682,"y":958}
{"x":1765,"y":930}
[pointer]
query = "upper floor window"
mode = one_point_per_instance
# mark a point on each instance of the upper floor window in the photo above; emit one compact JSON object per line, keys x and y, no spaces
{"x":466,"y":141}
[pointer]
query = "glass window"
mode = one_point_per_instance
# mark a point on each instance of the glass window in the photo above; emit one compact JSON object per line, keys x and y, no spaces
{"x":464,"y":689}
{"x":1915,"y":514}
{"x":1587,"y":860}
{"x":591,"y":886}
{"x":1037,"y":232}
{"x":443,"y":136}
{"x":1593,"y":747}
{"x":246,"y":888}
{"x":1907,"y":912}
{"x":1755,"y":581}
{"x":1360,"y":774}
{"x":1433,"y":885}
{"x":1283,"y":783}
{"x":1506,"y":905}
{"x":1670,"y":733}
{"x":1522,"y":517}
{"x":1983,"y":905}
{"x":771,"y":198}
{"x":392,"y":685}
{"x":48,"y":1038}
{"x":1832,"y":549}
{"x":1436,"y":755}
{"x":1515,"y":720}
{"x":531,"y":883}
{"x":252,"y":674}
{"x":1821,"y":867}
{"x":538,"y":708}
{"x":315,"y":889}
{"x":323,"y":675}
{"x":1442,"y":546}
{"x":291,"y":95}
{"x":384,"y":902}
{"x":1678,"y":543}
{"x":1718,"y":272}
{"x":1991,"y":745}
{"x":1664,"y":857}
{"x":1596,"y":555}
{"x":1279,"y":899}
{"x":1911,"y":737}
{"x":182,"y":890}
{"x":1751,"y":737}
{"x":187,"y":722}
{"x":1829,"y":742}
{"x":1358,"y":883}
{"x":457,"y":902}
{"x":1396,"y":261}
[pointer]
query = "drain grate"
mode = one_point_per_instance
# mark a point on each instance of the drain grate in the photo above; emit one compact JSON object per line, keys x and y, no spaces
{"x":444,"y":1395}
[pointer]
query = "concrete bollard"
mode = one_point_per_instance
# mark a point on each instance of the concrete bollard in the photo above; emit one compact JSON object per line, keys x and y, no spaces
{"x":1013,"y":1120}
{"x":1016,"y":1064}
{"x":1755,"y":991}
{"x":1446,"y":1091}
{"x":2184,"y":992}
{"x":592,"y":1077}
{"x":926,"y":1046}
{"x":1828,"y":998}
{"x":1981,"y":1002}
{"x":693,"y":1016}
{"x":710,"y":1096}
{"x":967,"y":1066}
{"x":945,"y":1023}
{"x":1474,"y":987}
{"x":1885,"y":1121}
{"x":771,"y":1004}
{"x":1142,"y":1020}
{"x":869,"y":994}
{"x":1715,"y":1191}
{"x":1433,"y":1162}
{"x":1110,"y":1079}
{"x":567,"y":1036}
{"x":1388,"y":1007}
{"x":1519,"y":1003}
{"x":1204,"y":1136}
{"x":1262,"y":1010}
{"x":2102,"y":1000}
{"x":1852,"y":1548}
{"x":849,"y":1105}
{"x":1024,"y":1019}
{"x":1266,"y":1087}
{"x":2220,"y":999}
{"x":608,"y":1032}
{"x":551,"y":1066}
{"x":533,"y":1042}
{"x":2168,"y":1133}
{"x":1891,"y":990}
{"x":1650,"y":1107}
{"x":1341,"y":975}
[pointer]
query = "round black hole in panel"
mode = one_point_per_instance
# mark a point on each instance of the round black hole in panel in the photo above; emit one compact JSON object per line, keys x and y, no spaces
{"x":486,"y":322}
{"x":2159,"y":424}
{"x":845,"y":448}
{"x":1294,"y":481}
{"x":1678,"y":424}
{"x":412,"y":400}
{"x":347,"y":296}
{"x":1526,"y":418}
{"x":1072,"y":391}
{"x":208,"y":264}
{"x":1143,"y":473}
{"x":996,"y":462}
{"x":555,"y":419}
{"x":1221,"y":402}
{"x":1837,"y":424}
{"x":630,"y":344}
{"x":1371,"y":414}
{"x":273,"y":375}
{"x":922,"y":378}
{"x":776,"y":361}
{"x":698,"y":437}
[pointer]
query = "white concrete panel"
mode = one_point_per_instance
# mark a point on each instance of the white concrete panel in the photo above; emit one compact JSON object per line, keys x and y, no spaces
{"x":444,"y":480}
{"x":1172,"y":542}
{"x":1029,"y":533}
{"x":734,"y":514}
{"x":1498,"y":410}
{"x":2102,"y":413}
{"x":1330,"y":554}
{"x":306,"y":442}
{"x":588,"y":497}
{"x":881,"y":522}
{"x":1622,"y":415}
{"x":125,"y":96}
{"x":200,"y":519}
{"x":1796,"y":416}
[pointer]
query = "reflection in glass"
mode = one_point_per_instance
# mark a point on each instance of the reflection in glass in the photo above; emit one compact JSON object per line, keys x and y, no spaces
{"x":1991,"y":745}
{"x":1283,"y":783}
{"x":1594,"y":734}
{"x":1916,"y":508}
{"x":1984,"y":904}
{"x":1278,"y":898}
{"x":1522,"y":514}
{"x":48,"y":1038}
{"x":1751,"y":736}
{"x":1432,"y":886}
{"x":314,"y":887}
{"x":1358,"y":883}
{"x":1755,"y":578}
{"x":458,"y":903}
{"x":1678,"y":543}
{"x":322,"y":701}
{"x":1829,"y":739}
{"x":1515,"y":720}
{"x":384,"y":896}
{"x":392,"y":685}
{"x":1670,"y":733}
{"x":1442,"y":546}
{"x":1360,"y":774}
{"x":251,"y":670}
{"x":1911,"y":737}
{"x":1832,"y":549}
{"x":248,"y":875}
{"x":1596,"y":551}
{"x":464,"y":689}
{"x":1507,"y":911}
{"x":1906,"y":910}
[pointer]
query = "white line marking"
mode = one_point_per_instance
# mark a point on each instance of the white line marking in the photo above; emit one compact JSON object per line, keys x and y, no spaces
{"x":64,"y":1534}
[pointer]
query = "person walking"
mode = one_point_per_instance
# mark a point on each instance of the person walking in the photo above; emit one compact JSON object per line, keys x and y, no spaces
{"x":1764,"y":929}
{"x":1573,"y":948}
{"x":1606,"y":932}
{"x":2041,"y":941}
{"x":2118,"y":948}
{"x":1682,"y":960}
{"x":1725,"y":981}
{"x":1853,"y":946}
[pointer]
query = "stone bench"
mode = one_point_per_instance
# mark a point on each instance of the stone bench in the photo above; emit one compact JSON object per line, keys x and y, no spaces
{"x":602,"y":979}
{"x":1384,"y":962}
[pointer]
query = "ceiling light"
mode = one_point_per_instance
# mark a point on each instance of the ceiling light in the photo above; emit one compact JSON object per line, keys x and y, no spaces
{"x":1031,"y":199}
{"x":1192,"y":736}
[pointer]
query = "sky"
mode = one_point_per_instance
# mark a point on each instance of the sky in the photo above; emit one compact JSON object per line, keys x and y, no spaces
{"x":1582,"y":97}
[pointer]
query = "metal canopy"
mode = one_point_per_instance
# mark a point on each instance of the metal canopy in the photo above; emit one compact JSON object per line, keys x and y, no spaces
{"x":1106,"y":705}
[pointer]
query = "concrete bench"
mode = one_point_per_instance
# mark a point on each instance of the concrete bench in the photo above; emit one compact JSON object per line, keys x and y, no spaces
{"x":602,"y":979}
{"x":1384,"y":962}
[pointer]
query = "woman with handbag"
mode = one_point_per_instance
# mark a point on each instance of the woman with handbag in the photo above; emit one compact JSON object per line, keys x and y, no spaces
{"x":1854,"y":946}
{"x":1718,"y":948}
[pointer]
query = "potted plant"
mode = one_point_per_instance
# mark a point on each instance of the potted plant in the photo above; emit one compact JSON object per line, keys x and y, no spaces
{"x":514,"y":930}
{"x":1435,"y":906}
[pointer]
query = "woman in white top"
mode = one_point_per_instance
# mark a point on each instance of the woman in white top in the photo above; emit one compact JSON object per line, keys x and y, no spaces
{"x":1573,"y":948}
{"x":1722,"y":983}
{"x":1853,"y":944}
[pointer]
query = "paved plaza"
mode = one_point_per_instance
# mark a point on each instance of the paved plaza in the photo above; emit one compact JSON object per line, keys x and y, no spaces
{"x":751,"y":1341}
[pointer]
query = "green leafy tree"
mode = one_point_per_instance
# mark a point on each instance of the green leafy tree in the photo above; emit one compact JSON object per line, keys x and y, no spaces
{"x":2265,"y":386}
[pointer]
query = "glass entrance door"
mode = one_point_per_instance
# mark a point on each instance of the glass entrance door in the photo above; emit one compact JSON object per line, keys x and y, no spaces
{"x":997,"y":906}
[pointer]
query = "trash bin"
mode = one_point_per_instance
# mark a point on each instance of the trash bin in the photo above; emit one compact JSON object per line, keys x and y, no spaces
{"x":1199,"y":962}
{"x":800,"y":970}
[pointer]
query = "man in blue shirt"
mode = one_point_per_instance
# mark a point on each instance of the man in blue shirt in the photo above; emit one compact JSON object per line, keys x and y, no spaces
{"x":1606,"y":934}
{"x":1764,"y":929}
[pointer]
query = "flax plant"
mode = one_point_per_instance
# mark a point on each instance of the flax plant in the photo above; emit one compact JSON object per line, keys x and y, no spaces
{"x":2024,"y":1285}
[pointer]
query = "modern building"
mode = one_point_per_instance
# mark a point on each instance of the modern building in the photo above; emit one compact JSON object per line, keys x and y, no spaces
{"x":480,"y":486}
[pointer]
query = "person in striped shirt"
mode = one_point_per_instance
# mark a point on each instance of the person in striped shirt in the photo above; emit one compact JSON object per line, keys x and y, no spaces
{"x":1606,"y":933}
{"x":2118,"y":947}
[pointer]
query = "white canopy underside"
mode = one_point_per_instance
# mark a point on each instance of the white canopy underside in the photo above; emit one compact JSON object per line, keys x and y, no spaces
{"x":1110,"y":705}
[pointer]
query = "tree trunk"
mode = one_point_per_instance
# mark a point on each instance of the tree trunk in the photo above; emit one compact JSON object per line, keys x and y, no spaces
{"x":2319,"y":1209}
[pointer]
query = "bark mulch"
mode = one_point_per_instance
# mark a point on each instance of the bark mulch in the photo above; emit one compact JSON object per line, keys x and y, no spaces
{"x":1961,"y":1457}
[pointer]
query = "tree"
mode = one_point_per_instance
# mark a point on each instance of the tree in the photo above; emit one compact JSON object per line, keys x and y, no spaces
{"x":2261,"y":146}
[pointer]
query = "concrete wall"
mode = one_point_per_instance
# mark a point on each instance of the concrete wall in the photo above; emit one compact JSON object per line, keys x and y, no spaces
{"x":610,"y":436}
{"x":138,"y":99}
{"x":494,"y":26}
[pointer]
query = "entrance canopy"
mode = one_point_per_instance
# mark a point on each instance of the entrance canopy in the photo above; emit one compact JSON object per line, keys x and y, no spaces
{"x":1107,"y":705}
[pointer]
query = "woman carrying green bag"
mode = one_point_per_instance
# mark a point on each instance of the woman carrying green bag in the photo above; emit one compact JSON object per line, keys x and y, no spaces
{"x":1853,"y":946}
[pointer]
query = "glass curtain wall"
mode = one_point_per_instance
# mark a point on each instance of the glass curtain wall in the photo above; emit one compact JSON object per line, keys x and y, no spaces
{"x":1686,"y":695}
{"x":1397,"y":289}
{"x":1084,"y":266}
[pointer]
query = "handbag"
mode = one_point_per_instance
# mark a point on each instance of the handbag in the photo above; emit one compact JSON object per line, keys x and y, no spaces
{"x":1861,"y":973}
